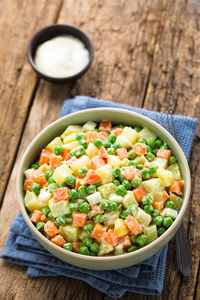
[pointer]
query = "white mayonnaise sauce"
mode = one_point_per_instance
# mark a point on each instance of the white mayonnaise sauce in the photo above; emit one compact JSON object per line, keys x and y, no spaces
{"x":62,"y":56}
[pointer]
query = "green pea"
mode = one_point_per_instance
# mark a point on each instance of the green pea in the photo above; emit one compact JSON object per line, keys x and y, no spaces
{"x":158,"y":220}
{"x":141,"y":140}
{"x":116,"y":172}
{"x":116,"y":182}
{"x":98,"y":218}
{"x":58,"y":150}
{"x":167,"y":221}
{"x":150,"y":156}
{"x":134,"y":239}
{"x":139,"y":166}
{"x":106,"y":144}
{"x":69,"y":219}
{"x":172,"y":160}
{"x":161,"y":230}
{"x":35,"y":187}
{"x":52,"y":187}
{"x":96,"y":129}
{"x":87,"y":242}
{"x":35,"y":166}
{"x":113,"y":205}
{"x":135,"y":182}
{"x":51,"y":180}
{"x":45,"y":211}
{"x":60,"y":220}
{"x":111,"y":151}
{"x":63,"y":184}
{"x":138,"y":129}
{"x":97,"y":184}
{"x":126,"y":184}
{"x":79,"y":136}
{"x":132,"y":154}
{"x":73,"y":207}
{"x":82,"y":192}
{"x":120,"y":190}
{"x":164,"y":147}
{"x":50,"y":216}
{"x":145,"y":173}
{"x":132,"y":248}
{"x":48,"y":174}
{"x":84,"y":250}
{"x":169,"y":204}
{"x":152,"y":169}
{"x":84,"y":207}
{"x":112,"y":138}
{"x":148,"y":209}
{"x":88,"y":228}
{"x":151,"y":143}
{"x":94,"y":248}
{"x":158,"y":143}
{"x":117,"y":145}
{"x":132,"y":163}
{"x":146,"y":200}
{"x":98,"y":143}
{"x":141,"y":239}
{"x":149,"y":148}
{"x":124,"y":214}
{"x":71,"y":180}
{"x":73,"y":194}
{"x":104,"y":204}
{"x":155,"y":213}
{"x":68,"y":246}
{"x":40,"y":226}
{"x":122,"y":178}
{"x":78,"y":151}
{"x":155,"y":150}
{"x":91,"y":189}
{"x":84,"y":143}
{"x":131,"y":208}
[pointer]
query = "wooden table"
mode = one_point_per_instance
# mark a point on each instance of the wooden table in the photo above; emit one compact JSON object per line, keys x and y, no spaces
{"x":147,"y":54}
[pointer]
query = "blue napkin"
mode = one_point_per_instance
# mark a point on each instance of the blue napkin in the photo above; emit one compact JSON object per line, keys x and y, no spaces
{"x":144,"y":278}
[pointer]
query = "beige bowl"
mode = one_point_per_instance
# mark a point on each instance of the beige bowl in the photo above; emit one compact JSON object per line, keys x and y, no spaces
{"x":116,"y":116}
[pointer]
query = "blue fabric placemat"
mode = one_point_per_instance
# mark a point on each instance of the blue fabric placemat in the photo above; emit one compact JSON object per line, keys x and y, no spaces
{"x":144,"y":278}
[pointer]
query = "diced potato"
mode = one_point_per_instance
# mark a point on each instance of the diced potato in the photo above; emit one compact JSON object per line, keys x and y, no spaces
{"x":94,"y":198}
{"x":120,"y":227}
{"x":142,"y":217}
{"x":105,"y":248}
{"x":116,"y":198}
{"x":105,"y":173}
{"x":92,"y":150}
{"x":31,"y":201}
{"x":154,"y":184}
{"x":71,"y":145}
{"x":129,"y":199}
{"x":140,"y":160}
{"x":83,"y":235}
{"x":160,"y":162}
{"x":106,"y":189}
{"x":175,"y":171}
{"x":147,"y":134}
{"x":131,"y":134}
{"x":169,"y":212}
{"x":151,"y":233}
{"x":69,"y":232}
{"x":166,"y":176}
{"x":43,"y":168}
{"x":59,"y":208}
{"x":124,"y":142}
{"x":177,"y":201}
{"x":89,"y":126}
{"x":114,"y":161}
{"x":134,"y":210}
{"x":84,"y":161}
{"x":124,"y":162}
{"x":56,"y":142}
{"x":157,"y":196}
{"x":61,"y":173}
{"x":71,"y":129}
{"x":44,"y":197}
{"x":118,"y":250}
{"x":28,"y":173}
{"x":70,"y":138}
{"x":110,"y":217}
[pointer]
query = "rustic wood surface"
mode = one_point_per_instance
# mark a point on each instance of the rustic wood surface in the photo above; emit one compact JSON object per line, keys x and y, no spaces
{"x":147,"y":54}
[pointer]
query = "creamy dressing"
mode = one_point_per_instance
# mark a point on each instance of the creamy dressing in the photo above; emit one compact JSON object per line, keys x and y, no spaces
{"x":61,"y":56}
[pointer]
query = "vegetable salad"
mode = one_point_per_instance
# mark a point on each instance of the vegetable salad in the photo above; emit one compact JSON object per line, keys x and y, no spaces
{"x":104,"y":190}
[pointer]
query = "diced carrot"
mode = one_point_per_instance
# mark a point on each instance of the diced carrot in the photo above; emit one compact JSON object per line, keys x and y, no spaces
{"x":140,"y":148}
{"x":102,"y":152}
{"x":50,"y":229}
{"x":36,"y":216}
{"x":55,"y":160}
{"x":39,"y":177}
{"x":61,"y":194}
{"x":92,"y":177}
{"x":177,"y":187}
{"x":76,"y":246}
{"x":96,"y":210}
{"x":102,"y":136}
{"x":90,"y":136}
{"x":97,"y":162}
{"x":58,"y":240}
{"x":71,"y":160}
{"x":45,"y":157}
{"x":99,"y":232}
{"x":117,"y":131}
{"x":139,"y":193}
{"x":65,"y":154}
{"x":165,"y":195}
{"x":27,"y":184}
{"x":105,"y":126}
{"x":158,"y":205}
{"x":131,"y":172}
{"x":125,"y":241}
{"x":164,"y":153}
{"x":79,"y":219}
{"x":122,"y":153}
{"x":111,"y":237}
{"x":133,"y":225}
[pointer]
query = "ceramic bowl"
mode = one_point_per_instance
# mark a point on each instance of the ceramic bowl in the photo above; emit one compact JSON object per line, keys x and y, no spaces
{"x":50,"y":32}
{"x":116,"y":116}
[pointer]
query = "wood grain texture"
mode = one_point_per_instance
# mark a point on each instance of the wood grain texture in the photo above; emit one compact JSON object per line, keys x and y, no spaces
{"x":147,"y":55}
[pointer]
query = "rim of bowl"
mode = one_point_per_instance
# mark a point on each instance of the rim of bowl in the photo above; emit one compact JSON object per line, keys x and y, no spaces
{"x":108,"y":258}
{"x":42,"y":31}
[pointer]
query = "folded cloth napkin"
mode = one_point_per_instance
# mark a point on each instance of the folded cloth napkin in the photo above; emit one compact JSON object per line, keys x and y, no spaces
{"x":144,"y":278}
